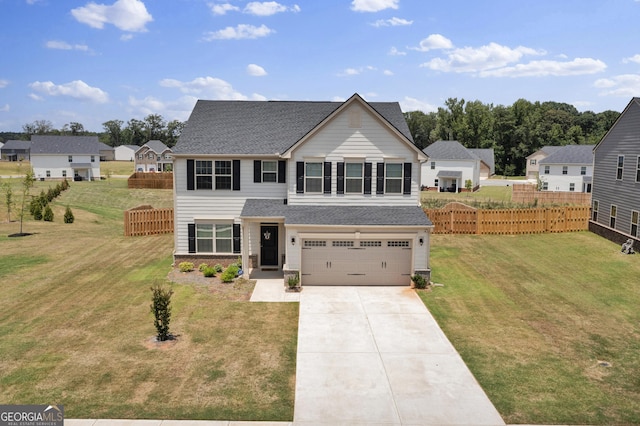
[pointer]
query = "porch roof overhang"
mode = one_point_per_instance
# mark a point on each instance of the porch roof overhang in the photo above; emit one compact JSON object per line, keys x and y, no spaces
{"x":449,"y":174}
{"x":586,"y":179}
{"x":335,"y":215}
{"x":81,"y":165}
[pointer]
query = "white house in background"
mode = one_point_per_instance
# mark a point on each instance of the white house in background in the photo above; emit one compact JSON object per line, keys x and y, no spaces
{"x":153,"y":156}
{"x":569,"y":168}
{"x":449,"y":167}
{"x":533,"y":160}
{"x":60,"y":157}
{"x":326,"y":191}
{"x":126,"y":152}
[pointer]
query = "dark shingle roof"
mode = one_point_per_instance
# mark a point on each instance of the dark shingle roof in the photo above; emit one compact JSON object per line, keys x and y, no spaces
{"x":263,"y":127}
{"x":65,"y":145}
{"x":336,"y":215}
{"x":487,"y":156}
{"x":16,"y":144}
{"x":571,"y":154}
{"x":448,"y":150}
{"x":156,"y":146}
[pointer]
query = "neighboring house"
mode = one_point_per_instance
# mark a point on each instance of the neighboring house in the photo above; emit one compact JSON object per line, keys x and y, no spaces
{"x":153,"y":156}
{"x":126,"y":152}
{"x":326,"y":191}
{"x":449,"y":167}
{"x":615,"y":198}
{"x":487,"y":161}
{"x":60,"y":157}
{"x":1,"y":145}
{"x":533,"y":160}
{"x":569,"y":168}
{"x":107,"y":153}
{"x":14,"y":150}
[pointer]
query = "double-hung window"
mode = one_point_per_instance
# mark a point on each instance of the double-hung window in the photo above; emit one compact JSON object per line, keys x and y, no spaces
{"x":583,"y":170}
{"x":620,"y":167}
{"x":572,"y":187}
{"x":313,"y":177}
{"x":269,"y":171}
{"x":594,"y":211}
{"x":353,"y":178}
{"x":70,"y":158}
{"x":393,"y":178}
{"x":546,"y":170}
{"x":213,"y":238}
{"x":635,"y":220}
{"x":612,"y":216}
{"x":638,"y":170}
{"x":204,"y":174}
{"x":565,"y":170}
{"x":223,"y":174}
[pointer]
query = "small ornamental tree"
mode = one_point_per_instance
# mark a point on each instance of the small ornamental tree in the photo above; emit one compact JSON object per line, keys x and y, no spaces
{"x":8,"y":198}
{"x":48,"y":214}
{"x":36,"y":211}
{"x":161,"y":310}
{"x":68,"y":215}
{"x":27,"y":184}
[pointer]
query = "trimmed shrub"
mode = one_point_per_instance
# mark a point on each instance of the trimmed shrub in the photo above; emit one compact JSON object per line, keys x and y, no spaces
{"x":218,"y":267}
{"x":202,"y":266}
{"x":419,"y":281}
{"x":229,"y":274}
{"x":186,"y":266}
{"x":48,"y":214}
{"x":68,"y":215}
{"x":209,"y":271}
{"x":161,"y":310}
{"x":37,"y":211}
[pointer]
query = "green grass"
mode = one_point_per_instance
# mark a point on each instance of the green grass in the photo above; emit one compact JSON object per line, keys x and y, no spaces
{"x":533,"y":316}
{"x":76,"y":328}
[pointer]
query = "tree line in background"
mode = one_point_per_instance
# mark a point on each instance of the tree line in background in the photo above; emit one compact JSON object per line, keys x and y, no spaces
{"x":514,"y":132}
{"x":116,"y":132}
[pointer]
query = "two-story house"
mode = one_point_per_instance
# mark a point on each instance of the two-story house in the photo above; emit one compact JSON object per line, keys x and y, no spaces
{"x":568,"y":168}
{"x":450,"y":167}
{"x":615,"y":199}
{"x":327,"y":191}
{"x":533,"y":160}
{"x":153,"y":156}
{"x":15,"y":150}
{"x":60,"y":157}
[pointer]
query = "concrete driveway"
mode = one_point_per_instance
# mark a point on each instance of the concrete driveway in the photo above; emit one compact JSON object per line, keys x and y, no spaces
{"x":375,"y":355}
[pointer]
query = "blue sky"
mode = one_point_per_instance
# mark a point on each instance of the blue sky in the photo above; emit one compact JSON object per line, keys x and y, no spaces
{"x":93,"y":61}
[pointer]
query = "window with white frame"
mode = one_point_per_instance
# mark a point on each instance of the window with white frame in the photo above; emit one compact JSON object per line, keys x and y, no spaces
{"x":545,"y":186}
{"x":269,"y":171}
{"x":620,"y":167}
{"x":64,"y":173}
{"x":214,"y":238}
{"x":93,"y":158}
{"x":532,"y":162}
{"x":353,"y":178}
{"x":204,"y":174}
{"x":436,"y":182}
{"x":70,"y":158}
{"x":393,"y":178}
{"x":583,"y":170}
{"x":594,"y":210}
{"x":612,"y":216}
{"x":313,"y":177}
{"x":433,"y":165}
{"x":48,"y":173}
{"x":635,"y":220}
{"x":572,"y":187}
{"x":565,"y":170}
{"x":546,"y":170}
{"x":223,"y":174}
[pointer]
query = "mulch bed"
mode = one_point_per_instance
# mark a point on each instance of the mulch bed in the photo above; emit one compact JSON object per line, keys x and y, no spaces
{"x":239,"y":290}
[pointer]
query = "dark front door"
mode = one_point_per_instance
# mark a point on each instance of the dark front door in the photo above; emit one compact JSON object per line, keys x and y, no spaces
{"x":269,"y":245}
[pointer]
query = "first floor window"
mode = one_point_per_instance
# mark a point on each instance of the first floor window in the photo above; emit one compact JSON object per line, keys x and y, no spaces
{"x":223,"y":174}
{"x":213,"y":238}
{"x":612,"y":216}
{"x":594,"y":211}
{"x":312,"y":177}
{"x":635,"y":219}
{"x":638,"y":170}
{"x":393,"y":178}
{"x":436,"y":182}
{"x":353,"y":178}
{"x":48,"y":173}
{"x":64,"y":173}
{"x":204,"y":174}
{"x":545,"y":186}
{"x":572,"y":187}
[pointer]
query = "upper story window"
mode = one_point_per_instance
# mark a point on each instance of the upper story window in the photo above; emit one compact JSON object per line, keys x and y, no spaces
{"x":620,"y":167}
{"x":140,"y":156}
{"x":204,"y":174}
{"x":583,"y":170}
{"x":313,"y":177}
{"x":638,"y":170}
{"x":71,"y":158}
{"x":223,"y":174}
{"x":93,"y":158}
{"x":433,"y":165}
{"x":565,"y":170}
{"x":353,"y":178}
{"x":533,"y":162}
{"x":393,"y":178}
{"x":546,"y":170}
{"x":269,"y":171}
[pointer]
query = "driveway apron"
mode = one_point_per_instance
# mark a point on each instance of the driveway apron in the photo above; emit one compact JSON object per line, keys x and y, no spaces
{"x":375,"y":355}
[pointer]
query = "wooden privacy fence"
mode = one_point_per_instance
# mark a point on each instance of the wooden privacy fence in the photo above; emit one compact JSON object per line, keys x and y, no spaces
{"x":528,"y":194}
{"x":150,"y":180}
{"x":509,"y":221}
{"x":145,"y":220}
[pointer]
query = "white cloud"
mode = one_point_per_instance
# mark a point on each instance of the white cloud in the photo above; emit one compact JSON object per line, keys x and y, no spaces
{"x":222,"y":8}
{"x":178,"y":109}
{"x":373,"y":5}
{"x":634,"y":58}
{"x":242,"y":31}
{"x":3,"y":83}
{"x":578,"y":66}
{"x":395,"y":52}
{"x":76,"y":89}
{"x":387,"y":72}
{"x":355,"y":71}
{"x":35,"y":97}
{"x":268,"y":8}
{"x":211,"y":87}
{"x":393,"y":22}
{"x":255,"y":70}
{"x":433,"y":42}
{"x":483,"y":58}
{"x":625,"y":85}
{"x":5,"y":108}
{"x":412,"y":104}
{"x":126,"y":37}
{"x":127,"y":15}
{"x":63,"y":45}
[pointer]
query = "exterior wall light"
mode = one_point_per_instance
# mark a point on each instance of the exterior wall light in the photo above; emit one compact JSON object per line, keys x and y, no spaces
{"x":293,"y":241}
{"x":421,"y":241}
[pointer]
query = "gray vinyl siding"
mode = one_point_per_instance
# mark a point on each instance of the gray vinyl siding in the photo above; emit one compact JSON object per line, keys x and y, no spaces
{"x":622,"y":139}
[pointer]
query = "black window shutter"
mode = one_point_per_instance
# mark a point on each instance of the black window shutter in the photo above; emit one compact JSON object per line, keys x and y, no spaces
{"x":257,"y":171}
{"x":340,"y":178}
{"x":191,"y":175}
{"x":282,"y":171}
{"x":236,"y":238}
{"x":300,"y":177}
{"x":407,"y":179}
{"x":367,"y":178}
{"x":380,"y":178}
{"x":236,"y":175}
{"x":327,"y":177}
{"x":192,"y":237}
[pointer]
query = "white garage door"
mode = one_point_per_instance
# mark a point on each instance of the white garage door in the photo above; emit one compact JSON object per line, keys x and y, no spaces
{"x":356,"y":262}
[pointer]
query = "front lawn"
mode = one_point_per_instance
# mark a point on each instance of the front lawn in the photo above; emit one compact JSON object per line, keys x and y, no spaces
{"x":548,"y":324}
